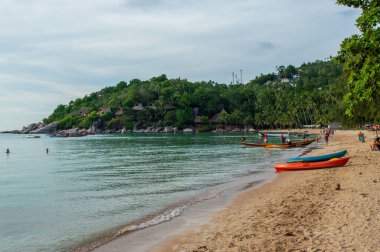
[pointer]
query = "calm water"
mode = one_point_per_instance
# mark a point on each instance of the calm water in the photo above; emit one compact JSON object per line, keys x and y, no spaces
{"x":92,"y":187}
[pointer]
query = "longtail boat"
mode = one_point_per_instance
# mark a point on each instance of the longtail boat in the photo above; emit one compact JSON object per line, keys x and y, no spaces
{"x":335,"y":162}
{"x":284,"y":145}
{"x":279,"y":146}
{"x":254,"y":144}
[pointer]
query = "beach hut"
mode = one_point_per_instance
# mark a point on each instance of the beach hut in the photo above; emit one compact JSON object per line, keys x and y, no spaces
{"x":119,"y":112}
{"x":197,"y":121}
{"x":138,"y":107}
{"x":152,"y":106}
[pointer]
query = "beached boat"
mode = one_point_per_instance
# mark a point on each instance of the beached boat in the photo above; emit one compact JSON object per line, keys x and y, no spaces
{"x":335,"y":162}
{"x":304,"y":142}
{"x":284,"y":145}
{"x":317,"y":158}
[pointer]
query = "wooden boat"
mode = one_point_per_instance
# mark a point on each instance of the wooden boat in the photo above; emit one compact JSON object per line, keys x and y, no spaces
{"x":254,"y":144}
{"x":317,"y":158}
{"x":335,"y":162}
{"x":285,"y":145}
{"x":304,"y":142}
{"x":278,"y":146}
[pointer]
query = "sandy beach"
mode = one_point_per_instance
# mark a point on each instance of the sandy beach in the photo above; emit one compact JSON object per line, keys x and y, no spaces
{"x":301,"y":211}
{"x":298,"y":211}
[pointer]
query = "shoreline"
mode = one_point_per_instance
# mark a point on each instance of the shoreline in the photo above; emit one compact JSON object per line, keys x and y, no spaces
{"x":294,"y":211}
{"x":301,"y":210}
{"x":194,"y":216}
{"x":197,"y":214}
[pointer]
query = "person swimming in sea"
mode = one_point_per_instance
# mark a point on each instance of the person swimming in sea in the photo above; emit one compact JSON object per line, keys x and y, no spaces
{"x":7,"y":151}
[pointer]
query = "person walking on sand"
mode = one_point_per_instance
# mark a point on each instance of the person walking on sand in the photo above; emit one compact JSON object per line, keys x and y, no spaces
{"x":327,"y":134}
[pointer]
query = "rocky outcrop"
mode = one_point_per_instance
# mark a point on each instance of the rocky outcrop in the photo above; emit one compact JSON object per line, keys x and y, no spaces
{"x":45,"y":129}
{"x":29,"y":128}
{"x":168,"y":129}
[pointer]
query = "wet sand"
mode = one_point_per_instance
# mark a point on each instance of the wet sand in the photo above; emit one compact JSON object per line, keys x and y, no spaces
{"x":298,"y":211}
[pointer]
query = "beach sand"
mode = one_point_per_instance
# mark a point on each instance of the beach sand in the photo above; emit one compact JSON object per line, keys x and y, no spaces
{"x":297,"y":211}
{"x":300,"y":211}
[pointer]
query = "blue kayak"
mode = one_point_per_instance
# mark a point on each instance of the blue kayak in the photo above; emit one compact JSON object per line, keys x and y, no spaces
{"x":317,"y":158}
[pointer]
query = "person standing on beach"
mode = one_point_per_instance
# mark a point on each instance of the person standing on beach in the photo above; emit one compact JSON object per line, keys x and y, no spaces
{"x":361,"y":137}
{"x":376,"y":144}
{"x":327,"y":134}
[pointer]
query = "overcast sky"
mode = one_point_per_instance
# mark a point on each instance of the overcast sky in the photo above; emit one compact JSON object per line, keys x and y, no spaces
{"x":54,"y":51}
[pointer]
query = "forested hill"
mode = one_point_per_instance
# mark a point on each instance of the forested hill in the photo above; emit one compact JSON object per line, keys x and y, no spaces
{"x":291,"y":97}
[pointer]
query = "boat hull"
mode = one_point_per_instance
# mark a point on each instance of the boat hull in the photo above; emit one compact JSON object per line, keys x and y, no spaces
{"x":254,"y":144}
{"x":335,"y":162}
{"x":283,"y":146}
{"x":317,"y":158}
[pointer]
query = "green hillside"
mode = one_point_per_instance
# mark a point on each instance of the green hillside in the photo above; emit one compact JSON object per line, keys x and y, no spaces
{"x":291,"y":97}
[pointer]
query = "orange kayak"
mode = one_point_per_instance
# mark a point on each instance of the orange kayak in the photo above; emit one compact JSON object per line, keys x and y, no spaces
{"x":335,"y":162}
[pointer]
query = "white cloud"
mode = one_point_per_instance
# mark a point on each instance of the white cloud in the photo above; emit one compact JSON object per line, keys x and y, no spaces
{"x":52,"y":52}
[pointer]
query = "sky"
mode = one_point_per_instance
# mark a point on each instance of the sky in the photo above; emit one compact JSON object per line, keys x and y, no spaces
{"x":52,"y":52}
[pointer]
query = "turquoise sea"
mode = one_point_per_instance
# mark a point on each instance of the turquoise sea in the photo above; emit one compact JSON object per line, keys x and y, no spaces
{"x":88,"y":189}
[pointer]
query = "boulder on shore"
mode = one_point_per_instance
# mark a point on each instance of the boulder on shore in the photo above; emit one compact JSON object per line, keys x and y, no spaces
{"x":188,"y":130}
{"x":168,"y":129}
{"x":29,"y":128}
{"x":45,"y":129}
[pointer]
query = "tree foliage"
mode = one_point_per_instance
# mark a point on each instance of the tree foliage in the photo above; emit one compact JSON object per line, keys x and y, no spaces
{"x":359,"y":55}
{"x":311,"y":94}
